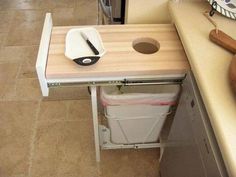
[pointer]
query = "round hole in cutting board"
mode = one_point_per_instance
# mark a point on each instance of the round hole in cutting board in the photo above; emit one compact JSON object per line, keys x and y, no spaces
{"x":146,"y":45}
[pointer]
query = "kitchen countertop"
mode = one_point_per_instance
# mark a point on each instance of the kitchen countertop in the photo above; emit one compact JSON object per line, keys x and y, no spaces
{"x":209,"y":64}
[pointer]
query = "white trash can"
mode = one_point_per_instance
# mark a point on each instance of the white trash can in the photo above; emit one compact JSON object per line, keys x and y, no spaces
{"x":136,"y":114}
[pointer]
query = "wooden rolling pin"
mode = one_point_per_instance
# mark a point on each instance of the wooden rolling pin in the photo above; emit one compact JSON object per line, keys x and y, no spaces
{"x":225,"y":41}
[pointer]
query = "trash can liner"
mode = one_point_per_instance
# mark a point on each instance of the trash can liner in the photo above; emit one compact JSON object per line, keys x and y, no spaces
{"x":113,"y":96}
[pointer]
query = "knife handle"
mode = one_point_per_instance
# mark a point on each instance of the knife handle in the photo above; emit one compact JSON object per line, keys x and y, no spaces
{"x":95,"y":51}
{"x":223,"y":40}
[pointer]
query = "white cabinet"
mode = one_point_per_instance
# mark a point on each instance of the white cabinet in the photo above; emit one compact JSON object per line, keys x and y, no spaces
{"x":191,"y":147}
{"x":148,"y":11}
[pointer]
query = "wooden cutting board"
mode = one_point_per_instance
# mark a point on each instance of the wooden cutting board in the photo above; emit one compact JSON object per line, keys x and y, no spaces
{"x":232,"y":73}
{"x":120,"y":58}
{"x":228,"y":43}
{"x":223,"y":40}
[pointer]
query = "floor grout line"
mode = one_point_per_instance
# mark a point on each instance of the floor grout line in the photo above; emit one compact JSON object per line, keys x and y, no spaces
{"x":30,"y":45}
{"x":64,"y":120}
{"x":19,"y":70}
{"x":33,"y":139}
{"x":67,"y":109}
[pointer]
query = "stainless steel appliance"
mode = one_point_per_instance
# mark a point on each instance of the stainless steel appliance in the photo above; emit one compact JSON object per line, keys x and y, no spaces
{"x":192,"y":150}
{"x":113,"y":10}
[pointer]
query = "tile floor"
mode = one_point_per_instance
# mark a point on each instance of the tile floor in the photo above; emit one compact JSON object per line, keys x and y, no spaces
{"x":42,"y":137}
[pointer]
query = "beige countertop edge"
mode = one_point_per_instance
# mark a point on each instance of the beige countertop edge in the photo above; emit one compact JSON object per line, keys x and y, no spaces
{"x":209,"y":64}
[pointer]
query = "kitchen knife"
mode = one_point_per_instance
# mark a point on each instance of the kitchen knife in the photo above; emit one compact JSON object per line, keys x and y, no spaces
{"x":95,"y":51}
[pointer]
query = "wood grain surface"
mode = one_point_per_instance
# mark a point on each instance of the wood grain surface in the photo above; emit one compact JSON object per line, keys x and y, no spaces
{"x":229,"y":44}
{"x":120,"y":58}
{"x":232,"y":73}
{"x":223,"y":40}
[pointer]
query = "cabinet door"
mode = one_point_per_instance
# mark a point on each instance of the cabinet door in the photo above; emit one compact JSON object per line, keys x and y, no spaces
{"x":181,"y":157}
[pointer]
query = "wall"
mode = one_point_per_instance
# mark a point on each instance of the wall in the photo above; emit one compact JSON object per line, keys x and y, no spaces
{"x":148,"y":11}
